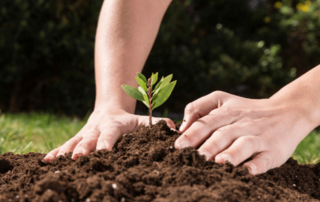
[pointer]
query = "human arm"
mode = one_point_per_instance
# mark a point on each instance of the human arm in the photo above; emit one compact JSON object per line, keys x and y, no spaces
{"x":125,"y":34}
{"x":232,"y":128}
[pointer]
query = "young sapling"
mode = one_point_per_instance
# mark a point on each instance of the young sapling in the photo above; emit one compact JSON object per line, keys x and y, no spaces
{"x":151,"y":97}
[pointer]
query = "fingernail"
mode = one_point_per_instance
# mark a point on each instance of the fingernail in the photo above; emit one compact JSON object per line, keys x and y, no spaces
{"x":182,"y":126}
{"x":78,"y":154}
{"x":75,"y":156}
{"x":48,"y":157}
{"x":251,"y":167}
{"x":173,"y":129}
{"x":223,"y":158}
{"x":206,"y":154}
{"x":60,"y":154}
{"x":183,"y":144}
{"x":103,"y":145}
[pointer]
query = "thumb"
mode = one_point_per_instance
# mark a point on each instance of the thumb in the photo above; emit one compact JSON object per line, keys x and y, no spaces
{"x":202,"y":107}
{"x":144,"y":120}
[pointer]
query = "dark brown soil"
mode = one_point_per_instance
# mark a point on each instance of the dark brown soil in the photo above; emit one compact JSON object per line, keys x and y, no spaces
{"x":144,"y":166}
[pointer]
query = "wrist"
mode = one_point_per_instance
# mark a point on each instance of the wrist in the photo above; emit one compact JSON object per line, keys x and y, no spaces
{"x":114,"y":105}
{"x":299,"y":107}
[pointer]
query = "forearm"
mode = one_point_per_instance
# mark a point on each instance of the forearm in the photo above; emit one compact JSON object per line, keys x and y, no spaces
{"x":303,"y":94}
{"x":125,"y":35}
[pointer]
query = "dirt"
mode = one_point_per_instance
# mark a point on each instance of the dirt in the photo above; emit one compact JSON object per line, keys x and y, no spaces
{"x":145,"y":166}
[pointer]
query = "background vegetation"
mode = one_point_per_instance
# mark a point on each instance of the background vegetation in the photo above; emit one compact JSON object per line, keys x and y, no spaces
{"x":245,"y":47}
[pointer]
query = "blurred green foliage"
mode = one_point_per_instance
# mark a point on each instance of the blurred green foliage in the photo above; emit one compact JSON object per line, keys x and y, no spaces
{"x":301,"y":22}
{"x":47,"y":55}
{"x":246,"y":47}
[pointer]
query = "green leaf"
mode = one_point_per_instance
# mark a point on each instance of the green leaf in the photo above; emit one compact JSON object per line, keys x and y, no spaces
{"x":164,"y":94}
{"x":154,"y":78}
{"x":133,"y":92}
{"x":145,"y":96}
{"x":142,"y":77}
{"x":157,"y":86}
{"x":154,"y":96}
{"x":166,"y":81}
{"x":146,"y":103}
{"x":142,"y":84}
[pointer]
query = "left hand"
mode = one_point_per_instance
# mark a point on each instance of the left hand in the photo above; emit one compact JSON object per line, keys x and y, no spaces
{"x":232,"y":128}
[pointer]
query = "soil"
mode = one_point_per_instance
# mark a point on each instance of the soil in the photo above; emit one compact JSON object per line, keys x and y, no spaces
{"x":145,"y":166}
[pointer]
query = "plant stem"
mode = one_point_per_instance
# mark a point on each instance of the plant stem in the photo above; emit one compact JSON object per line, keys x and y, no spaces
{"x":150,"y":109}
{"x":150,"y":103}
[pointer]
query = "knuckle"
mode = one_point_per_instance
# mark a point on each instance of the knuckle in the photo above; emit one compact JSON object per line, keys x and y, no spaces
{"x":107,"y":138}
{"x":51,"y":152}
{"x":245,"y":121}
{"x":70,"y":141}
{"x":249,"y":140}
{"x":191,"y":137}
{"x":89,"y":140}
{"x":277,"y":157}
{"x":81,"y":144}
{"x":188,"y":137}
{"x":245,"y":114}
{"x":62,"y":148}
{"x":269,"y":160}
{"x":221,"y":130}
{"x":227,"y":130}
{"x":227,"y":133}
{"x":168,"y":121}
{"x":190,"y":107}
{"x":218,"y":93}
{"x":92,"y":128}
{"x":214,"y":146}
{"x":227,"y":110}
{"x":232,"y":112}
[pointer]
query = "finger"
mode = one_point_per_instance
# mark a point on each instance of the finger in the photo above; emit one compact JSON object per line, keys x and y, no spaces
{"x":169,"y":122}
{"x":144,"y":121}
{"x":243,"y":148}
{"x":51,"y":155}
{"x":201,"y":107}
{"x":108,"y":138}
{"x":203,"y":128}
{"x":221,"y":140}
{"x":261,"y":163}
{"x":69,"y":145}
{"x":87,"y":144}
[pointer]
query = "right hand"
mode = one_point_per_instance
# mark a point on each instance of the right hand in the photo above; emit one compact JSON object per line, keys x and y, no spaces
{"x":103,"y":129}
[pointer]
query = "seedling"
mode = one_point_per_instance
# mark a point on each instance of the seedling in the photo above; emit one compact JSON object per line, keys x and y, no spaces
{"x":152,"y":98}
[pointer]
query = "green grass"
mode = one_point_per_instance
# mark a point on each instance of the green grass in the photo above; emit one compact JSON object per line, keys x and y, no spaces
{"x":34,"y":132}
{"x":308,"y":151}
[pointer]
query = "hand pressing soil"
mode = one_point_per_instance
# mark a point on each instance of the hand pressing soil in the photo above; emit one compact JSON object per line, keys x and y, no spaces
{"x":145,"y":166}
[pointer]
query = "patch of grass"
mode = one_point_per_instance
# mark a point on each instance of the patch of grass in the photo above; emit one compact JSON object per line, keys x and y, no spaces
{"x":34,"y":132}
{"x":308,"y":151}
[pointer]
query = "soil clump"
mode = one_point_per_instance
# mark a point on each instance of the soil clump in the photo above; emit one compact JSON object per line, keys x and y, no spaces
{"x":145,"y":166}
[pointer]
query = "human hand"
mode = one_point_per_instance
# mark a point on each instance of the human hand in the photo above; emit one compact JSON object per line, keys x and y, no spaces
{"x":103,"y":129}
{"x":233,"y":129}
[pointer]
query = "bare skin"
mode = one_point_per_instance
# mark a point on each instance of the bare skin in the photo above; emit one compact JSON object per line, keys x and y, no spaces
{"x":232,"y":128}
{"x":228,"y":127}
{"x":125,"y":34}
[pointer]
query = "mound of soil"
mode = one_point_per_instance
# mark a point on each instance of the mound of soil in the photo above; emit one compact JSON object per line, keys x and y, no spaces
{"x":145,"y":166}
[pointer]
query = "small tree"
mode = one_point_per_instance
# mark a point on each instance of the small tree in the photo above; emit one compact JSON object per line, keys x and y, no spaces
{"x":152,"y":98}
